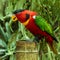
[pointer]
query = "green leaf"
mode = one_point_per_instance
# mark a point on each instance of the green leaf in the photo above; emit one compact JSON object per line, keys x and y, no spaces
{"x":3,"y":33}
{"x":2,"y":43}
{"x":8,"y":31}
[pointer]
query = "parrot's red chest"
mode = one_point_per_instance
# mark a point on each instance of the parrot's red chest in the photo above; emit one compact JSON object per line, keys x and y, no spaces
{"x":32,"y":27}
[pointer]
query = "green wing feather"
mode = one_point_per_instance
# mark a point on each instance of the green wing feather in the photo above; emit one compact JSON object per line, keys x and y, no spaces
{"x":43,"y":25}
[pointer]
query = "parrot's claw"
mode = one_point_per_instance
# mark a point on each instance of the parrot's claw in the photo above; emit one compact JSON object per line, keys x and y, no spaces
{"x":36,"y":43}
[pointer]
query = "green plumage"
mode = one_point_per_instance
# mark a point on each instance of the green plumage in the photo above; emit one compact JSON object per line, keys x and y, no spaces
{"x":43,"y":25}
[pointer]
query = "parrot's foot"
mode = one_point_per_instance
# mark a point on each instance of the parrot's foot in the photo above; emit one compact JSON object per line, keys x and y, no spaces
{"x":36,"y":39}
{"x":36,"y":43}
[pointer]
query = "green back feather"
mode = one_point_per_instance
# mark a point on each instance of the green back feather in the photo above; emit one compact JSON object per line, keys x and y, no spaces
{"x":43,"y":25}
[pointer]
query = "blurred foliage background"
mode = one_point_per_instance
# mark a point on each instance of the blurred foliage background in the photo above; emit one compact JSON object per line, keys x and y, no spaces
{"x":10,"y":32}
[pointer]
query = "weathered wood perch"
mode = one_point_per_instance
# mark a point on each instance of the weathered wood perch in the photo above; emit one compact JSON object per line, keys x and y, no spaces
{"x":26,"y":51}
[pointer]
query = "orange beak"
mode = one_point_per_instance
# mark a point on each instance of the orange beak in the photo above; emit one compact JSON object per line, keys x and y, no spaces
{"x":14,"y":18}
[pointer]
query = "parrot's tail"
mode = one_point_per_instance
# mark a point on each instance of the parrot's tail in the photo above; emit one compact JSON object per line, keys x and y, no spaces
{"x":52,"y":47}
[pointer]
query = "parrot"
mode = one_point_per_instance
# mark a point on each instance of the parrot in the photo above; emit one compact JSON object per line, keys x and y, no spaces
{"x":37,"y":25}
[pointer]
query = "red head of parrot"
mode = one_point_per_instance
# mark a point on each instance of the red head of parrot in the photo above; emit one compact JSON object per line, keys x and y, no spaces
{"x":23,"y":15}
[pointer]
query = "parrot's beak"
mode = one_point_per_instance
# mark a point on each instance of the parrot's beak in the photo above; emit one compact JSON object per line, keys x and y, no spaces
{"x":14,"y":18}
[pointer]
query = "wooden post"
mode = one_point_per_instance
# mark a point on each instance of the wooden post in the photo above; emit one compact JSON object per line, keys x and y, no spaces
{"x":26,"y":51}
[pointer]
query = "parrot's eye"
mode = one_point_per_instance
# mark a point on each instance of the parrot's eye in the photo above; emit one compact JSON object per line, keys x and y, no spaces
{"x":27,"y":16}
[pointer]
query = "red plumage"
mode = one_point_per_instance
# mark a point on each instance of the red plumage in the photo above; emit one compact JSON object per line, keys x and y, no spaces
{"x":32,"y":27}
